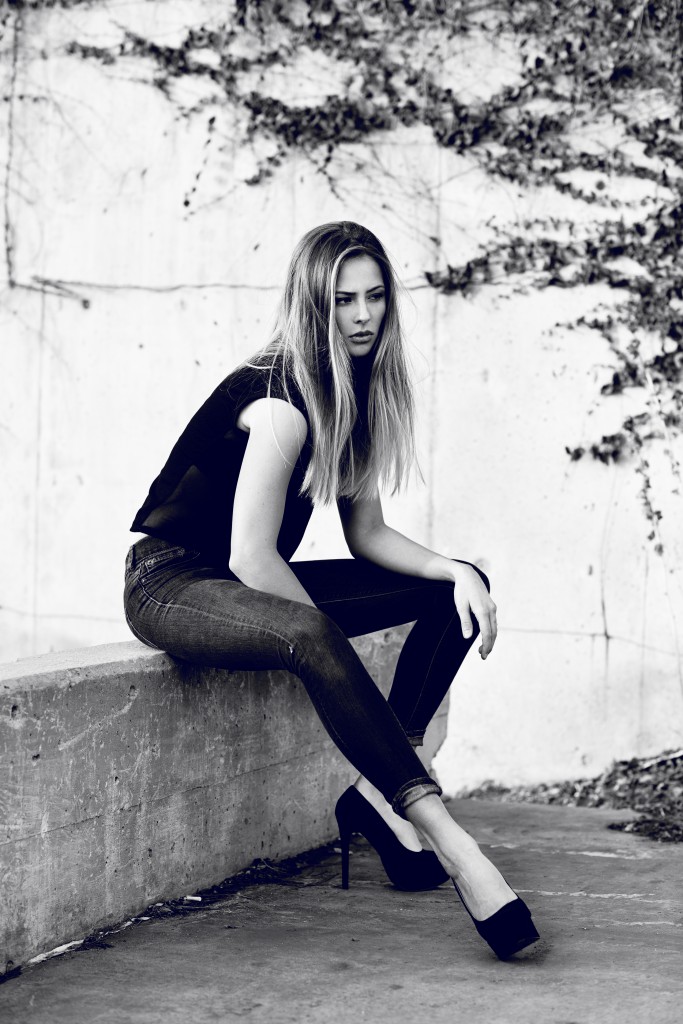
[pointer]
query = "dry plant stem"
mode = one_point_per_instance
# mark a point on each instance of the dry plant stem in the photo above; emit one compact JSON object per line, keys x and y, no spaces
{"x":482,"y":886}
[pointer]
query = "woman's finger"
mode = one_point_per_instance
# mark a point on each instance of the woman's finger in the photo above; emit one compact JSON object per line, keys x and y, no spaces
{"x":487,"y":636}
{"x":463,"y":609}
{"x":489,"y":629}
{"x":494,"y":625}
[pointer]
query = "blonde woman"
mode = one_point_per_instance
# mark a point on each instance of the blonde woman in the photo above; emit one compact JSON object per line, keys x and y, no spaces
{"x":325,"y":413}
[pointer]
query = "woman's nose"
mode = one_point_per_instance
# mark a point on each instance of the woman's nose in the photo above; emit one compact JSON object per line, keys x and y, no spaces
{"x":362,"y":313}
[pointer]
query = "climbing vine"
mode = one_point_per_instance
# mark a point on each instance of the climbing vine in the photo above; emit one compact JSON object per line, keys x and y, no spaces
{"x":578,"y":64}
{"x":625,"y":71}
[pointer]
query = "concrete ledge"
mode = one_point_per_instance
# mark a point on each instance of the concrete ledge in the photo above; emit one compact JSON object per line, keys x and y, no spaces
{"x":130,"y":778}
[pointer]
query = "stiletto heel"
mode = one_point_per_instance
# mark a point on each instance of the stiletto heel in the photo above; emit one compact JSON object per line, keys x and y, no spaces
{"x":507,"y":931}
{"x":406,"y":869}
{"x":344,"y":842}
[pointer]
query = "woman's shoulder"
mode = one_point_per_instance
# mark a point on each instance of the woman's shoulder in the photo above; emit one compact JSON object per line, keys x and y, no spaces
{"x":266,"y":374}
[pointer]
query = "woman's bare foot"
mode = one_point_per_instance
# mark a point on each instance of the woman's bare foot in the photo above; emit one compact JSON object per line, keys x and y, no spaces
{"x":402,"y":829}
{"x":481,"y":884}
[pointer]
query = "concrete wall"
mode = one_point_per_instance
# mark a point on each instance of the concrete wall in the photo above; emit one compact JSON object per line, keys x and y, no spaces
{"x":588,"y":665}
{"x":129,"y":778}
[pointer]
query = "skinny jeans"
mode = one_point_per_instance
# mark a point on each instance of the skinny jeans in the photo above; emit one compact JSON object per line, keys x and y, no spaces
{"x":176,"y":602}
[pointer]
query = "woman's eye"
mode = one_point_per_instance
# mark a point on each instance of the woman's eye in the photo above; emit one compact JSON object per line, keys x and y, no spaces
{"x":342,"y":300}
{"x":377,"y":297}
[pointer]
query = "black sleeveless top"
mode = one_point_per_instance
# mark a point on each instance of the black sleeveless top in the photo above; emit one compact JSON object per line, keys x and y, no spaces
{"x":190,"y":502}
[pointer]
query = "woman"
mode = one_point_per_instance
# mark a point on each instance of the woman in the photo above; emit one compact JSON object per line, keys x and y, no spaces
{"x":324,"y":413}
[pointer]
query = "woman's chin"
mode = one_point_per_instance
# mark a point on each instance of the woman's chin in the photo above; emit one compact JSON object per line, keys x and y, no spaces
{"x":364,"y":348}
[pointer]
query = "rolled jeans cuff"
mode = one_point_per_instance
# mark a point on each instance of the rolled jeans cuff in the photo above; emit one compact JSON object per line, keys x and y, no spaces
{"x":412,"y":791}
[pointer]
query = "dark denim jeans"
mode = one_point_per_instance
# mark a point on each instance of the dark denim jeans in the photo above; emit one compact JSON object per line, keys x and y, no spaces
{"x":174,"y":601}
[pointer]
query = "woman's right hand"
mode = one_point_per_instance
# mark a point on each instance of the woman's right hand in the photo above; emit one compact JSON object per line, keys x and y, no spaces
{"x":472,"y":598}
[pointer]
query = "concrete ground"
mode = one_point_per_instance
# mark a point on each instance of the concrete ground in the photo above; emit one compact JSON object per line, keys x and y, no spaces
{"x":608,"y":906}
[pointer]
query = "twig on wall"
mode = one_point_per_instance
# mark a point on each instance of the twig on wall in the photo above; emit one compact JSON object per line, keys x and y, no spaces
{"x":8,"y":230}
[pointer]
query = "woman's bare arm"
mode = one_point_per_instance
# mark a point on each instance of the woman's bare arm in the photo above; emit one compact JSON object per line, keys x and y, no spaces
{"x":368,"y":536}
{"x":277,"y":432}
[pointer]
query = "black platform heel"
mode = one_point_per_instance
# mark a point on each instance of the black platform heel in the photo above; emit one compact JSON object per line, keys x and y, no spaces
{"x":406,"y":869}
{"x":509,"y":930}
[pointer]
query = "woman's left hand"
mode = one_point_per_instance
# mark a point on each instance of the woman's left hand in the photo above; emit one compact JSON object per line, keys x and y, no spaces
{"x":472,"y":598}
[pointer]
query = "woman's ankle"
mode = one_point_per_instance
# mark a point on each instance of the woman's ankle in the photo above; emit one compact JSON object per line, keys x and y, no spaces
{"x":403,"y":829}
{"x":455,"y":848}
{"x":480,"y":882}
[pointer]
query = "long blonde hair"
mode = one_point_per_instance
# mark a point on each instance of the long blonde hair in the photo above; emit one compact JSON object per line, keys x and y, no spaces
{"x":308,"y":344}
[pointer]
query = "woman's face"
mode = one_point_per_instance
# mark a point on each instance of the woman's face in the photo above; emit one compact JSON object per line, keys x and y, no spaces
{"x":360,"y":303}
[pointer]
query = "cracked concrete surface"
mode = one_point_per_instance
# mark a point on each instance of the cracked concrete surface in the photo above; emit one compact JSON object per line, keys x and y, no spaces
{"x":608,"y":906}
{"x":128,"y":778}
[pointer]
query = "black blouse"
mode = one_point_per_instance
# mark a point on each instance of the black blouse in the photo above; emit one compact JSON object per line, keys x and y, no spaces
{"x":191,"y":501}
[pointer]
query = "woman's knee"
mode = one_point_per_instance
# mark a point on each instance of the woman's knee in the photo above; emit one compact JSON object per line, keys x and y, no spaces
{"x":313,"y":634}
